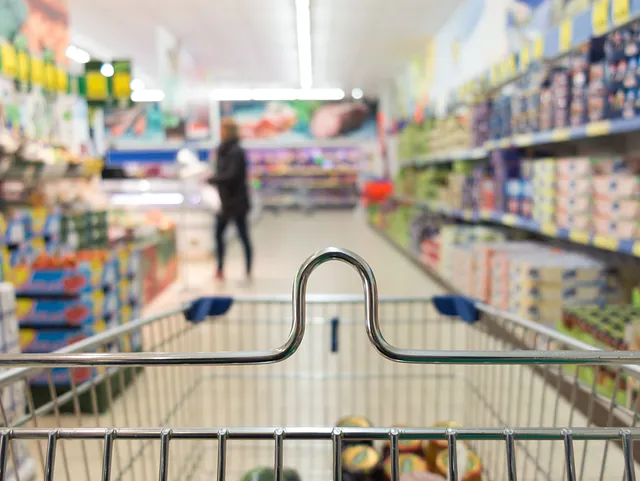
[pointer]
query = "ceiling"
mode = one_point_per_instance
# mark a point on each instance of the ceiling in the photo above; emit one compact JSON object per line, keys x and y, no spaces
{"x":252,"y":43}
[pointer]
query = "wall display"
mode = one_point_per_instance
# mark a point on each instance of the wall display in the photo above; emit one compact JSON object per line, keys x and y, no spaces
{"x":44,"y":24}
{"x":141,"y":122}
{"x":303,"y":120}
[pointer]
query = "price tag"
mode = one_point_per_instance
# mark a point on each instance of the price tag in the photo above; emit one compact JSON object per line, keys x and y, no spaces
{"x":600,"y":17}
{"x":525,"y":59}
{"x":97,"y":86}
{"x":9,"y":60}
{"x":598,"y":129}
{"x":636,"y":249}
{"x":549,"y":229}
{"x":37,"y":71}
{"x":566,"y":35}
{"x":538,"y":48}
{"x":560,"y":135}
{"x":620,"y":11}
{"x":580,"y":237}
{"x":604,"y":242}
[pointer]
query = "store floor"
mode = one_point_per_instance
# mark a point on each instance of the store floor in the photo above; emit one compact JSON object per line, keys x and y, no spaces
{"x":335,"y":372}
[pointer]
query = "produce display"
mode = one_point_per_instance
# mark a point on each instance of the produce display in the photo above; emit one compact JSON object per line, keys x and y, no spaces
{"x":320,"y":177}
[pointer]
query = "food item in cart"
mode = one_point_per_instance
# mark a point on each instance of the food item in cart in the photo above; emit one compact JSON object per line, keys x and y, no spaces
{"x":355,"y":422}
{"x":360,"y":463}
{"x":267,"y":474}
{"x":433,"y":447}
{"x":408,"y":463}
{"x":473,"y":470}
{"x":404,"y":445}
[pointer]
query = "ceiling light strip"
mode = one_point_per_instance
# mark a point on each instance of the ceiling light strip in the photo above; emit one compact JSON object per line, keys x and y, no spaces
{"x":277,"y":94}
{"x":303,"y":29}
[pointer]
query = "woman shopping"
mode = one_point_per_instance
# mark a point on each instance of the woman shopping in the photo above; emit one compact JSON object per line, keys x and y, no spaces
{"x":231,"y":181}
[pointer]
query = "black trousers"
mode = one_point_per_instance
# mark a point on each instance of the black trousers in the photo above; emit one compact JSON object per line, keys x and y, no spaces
{"x":243,"y":233}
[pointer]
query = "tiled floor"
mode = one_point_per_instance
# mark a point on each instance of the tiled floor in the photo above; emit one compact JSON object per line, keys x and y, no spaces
{"x":335,"y":372}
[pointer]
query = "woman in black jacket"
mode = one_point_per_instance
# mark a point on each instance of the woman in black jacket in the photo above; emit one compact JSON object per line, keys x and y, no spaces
{"x":231,"y":182}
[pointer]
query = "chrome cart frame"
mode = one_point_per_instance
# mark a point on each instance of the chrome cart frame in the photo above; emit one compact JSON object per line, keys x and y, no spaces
{"x":209,"y":394}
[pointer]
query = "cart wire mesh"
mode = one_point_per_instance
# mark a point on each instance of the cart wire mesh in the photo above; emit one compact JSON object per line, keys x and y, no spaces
{"x":207,"y":395}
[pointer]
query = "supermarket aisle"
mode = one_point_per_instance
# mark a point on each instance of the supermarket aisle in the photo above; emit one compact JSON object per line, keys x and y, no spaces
{"x":283,"y":241}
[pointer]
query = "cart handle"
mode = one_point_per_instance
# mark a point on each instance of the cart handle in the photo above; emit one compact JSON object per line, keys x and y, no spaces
{"x":66,"y":358}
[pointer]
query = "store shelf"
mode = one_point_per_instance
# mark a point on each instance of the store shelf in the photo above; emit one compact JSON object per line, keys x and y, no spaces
{"x":556,"y":136}
{"x":415,"y":259}
{"x":628,"y":247}
{"x":443,"y":158}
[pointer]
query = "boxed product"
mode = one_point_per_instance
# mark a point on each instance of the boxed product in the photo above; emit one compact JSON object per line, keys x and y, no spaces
{"x":67,"y":311}
{"x":84,"y":277}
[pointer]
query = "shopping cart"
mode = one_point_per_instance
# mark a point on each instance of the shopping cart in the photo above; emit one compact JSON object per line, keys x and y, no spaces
{"x":210,"y":398}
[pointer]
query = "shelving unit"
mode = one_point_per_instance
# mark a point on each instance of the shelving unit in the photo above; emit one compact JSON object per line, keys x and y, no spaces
{"x":628,"y":247}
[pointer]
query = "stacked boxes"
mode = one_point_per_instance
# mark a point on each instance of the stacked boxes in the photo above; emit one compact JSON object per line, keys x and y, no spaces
{"x":542,"y":173}
{"x":542,"y":285}
{"x":13,"y":395}
{"x":498,"y":256}
{"x":454,"y":236}
{"x":617,"y":199}
{"x":575,"y":192}
{"x":58,"y":306}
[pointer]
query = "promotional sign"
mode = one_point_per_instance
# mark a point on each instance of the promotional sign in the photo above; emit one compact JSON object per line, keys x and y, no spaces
{"x":142,"y":122}
{"x":97,"y":85}
{"x":303,"y":120}
{"x":44,"y":24}
{"x":121,"y":81}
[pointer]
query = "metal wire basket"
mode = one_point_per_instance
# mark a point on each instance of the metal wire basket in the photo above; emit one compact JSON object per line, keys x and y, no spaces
{"x":208,"y":395}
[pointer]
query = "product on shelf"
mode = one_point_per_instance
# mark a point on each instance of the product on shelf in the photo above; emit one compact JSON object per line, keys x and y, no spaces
{"x":321,"y":177}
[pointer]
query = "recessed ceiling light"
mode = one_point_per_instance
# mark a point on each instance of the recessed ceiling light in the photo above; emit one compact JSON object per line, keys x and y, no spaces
{"x":107,"y":70}
{"x":147,"y":95}
{"x":77,"y":54}
{"x":136,"y":84}
{"x":357,"y":93}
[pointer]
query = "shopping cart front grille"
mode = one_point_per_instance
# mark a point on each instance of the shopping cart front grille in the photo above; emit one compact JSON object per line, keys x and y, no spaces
{"x":207,"y":397}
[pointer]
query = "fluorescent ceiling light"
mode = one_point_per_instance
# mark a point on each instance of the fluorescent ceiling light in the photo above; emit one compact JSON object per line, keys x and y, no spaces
{"x":277,"y":94}
{"x":231,"y":94}
{"x":77,"y":54}
{"x":274,"y":94}
{"x":136,"y":84}
{"x":107,"y":70}
{"x":147,"y":95}
{"x":320,"y":94}
{"x":357,"y":93}
{"x":303,"y":30}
